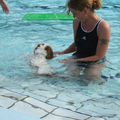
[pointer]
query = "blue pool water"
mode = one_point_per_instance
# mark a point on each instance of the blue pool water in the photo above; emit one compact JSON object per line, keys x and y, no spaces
{"x":18,"y":39}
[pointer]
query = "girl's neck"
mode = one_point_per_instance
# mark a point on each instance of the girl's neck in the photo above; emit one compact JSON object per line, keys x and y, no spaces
{"x":91,"y":20}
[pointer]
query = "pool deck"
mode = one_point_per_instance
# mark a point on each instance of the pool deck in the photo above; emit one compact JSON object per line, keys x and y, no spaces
{"x":14,"y":105}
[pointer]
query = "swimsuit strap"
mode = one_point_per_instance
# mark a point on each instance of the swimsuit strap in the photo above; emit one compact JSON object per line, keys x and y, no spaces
{"x":99,"y":23}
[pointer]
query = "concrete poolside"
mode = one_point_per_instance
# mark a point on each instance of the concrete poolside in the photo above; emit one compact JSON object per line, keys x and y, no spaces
{"x":6,"y":114}
{"x":14,"y":105}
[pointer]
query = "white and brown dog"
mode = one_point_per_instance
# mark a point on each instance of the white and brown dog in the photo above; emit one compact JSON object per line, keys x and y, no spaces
{"x":39,"y":60}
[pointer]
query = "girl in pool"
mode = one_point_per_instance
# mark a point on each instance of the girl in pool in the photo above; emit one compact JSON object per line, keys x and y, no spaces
{"x":4,"y":6}
{"x":91,"y":32}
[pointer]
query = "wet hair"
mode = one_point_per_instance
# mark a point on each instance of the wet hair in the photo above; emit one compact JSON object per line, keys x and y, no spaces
{"x":81,"y":4}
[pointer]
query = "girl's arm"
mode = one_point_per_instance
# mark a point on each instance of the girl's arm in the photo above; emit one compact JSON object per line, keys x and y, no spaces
{"x":71,"y":48}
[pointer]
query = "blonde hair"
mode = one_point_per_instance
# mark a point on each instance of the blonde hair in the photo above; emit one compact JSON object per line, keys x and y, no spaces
{"x":81,"y":4}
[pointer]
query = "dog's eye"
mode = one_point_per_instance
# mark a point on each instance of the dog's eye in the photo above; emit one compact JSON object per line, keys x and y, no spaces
{"x":42,"y":43}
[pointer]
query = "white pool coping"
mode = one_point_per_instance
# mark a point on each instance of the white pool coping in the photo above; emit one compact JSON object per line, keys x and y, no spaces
{"x":21,"y":107}
{"x":7,"y":114}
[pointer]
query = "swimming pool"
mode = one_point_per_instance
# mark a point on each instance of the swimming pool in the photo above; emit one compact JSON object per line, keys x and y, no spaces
{"x":18,"y":39}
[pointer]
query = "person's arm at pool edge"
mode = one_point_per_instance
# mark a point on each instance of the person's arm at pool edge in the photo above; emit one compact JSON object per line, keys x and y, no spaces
{"x":4,"y":6}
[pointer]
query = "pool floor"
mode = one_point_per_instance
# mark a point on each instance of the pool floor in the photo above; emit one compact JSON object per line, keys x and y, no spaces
{"x":13,"y":105}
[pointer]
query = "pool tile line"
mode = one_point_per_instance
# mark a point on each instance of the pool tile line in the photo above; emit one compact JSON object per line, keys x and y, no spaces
{"x":34,"y":107}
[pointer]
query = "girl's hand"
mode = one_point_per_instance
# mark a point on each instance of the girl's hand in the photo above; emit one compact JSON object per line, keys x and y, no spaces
{"x":58,"y":52}
{"x":65,"y":60}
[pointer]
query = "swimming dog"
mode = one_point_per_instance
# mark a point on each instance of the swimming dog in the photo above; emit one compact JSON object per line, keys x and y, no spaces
{"x":39,"y":60}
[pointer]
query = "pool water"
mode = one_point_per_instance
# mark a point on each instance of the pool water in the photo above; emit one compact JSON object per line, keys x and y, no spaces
{"x":18,"y":39}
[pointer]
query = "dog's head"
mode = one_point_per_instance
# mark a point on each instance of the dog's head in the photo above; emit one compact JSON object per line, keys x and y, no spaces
{"x":44,"y":49}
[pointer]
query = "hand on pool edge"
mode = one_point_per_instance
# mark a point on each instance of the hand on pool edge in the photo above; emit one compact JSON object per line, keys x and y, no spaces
{"x":4,"y":6}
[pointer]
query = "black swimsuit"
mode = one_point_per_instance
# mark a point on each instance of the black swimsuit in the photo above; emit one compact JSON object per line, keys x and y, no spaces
{"x":86,"y":41}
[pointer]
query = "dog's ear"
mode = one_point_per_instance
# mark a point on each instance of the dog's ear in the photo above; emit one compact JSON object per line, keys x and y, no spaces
{"x":49,"y":52}
{"x":36,"y":47}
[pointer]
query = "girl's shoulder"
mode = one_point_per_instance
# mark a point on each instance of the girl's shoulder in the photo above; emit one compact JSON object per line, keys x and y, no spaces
{"x":104,"y":25}
{"x":104,"y":29}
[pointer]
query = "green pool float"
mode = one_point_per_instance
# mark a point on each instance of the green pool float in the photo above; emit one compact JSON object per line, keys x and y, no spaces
{"x":37,"y":16}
